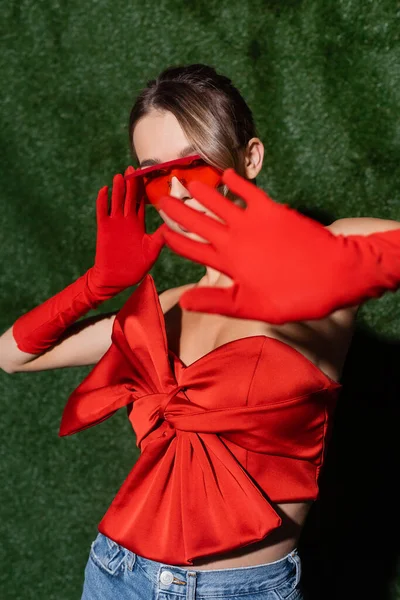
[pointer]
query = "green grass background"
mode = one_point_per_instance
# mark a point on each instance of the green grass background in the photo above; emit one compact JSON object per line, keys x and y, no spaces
{"x":323,"y":80}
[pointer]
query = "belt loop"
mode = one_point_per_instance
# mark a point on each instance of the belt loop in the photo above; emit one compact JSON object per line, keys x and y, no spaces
{"x":294,"y":555}
{"x":130,"y":559}
{"x":191,"y":588}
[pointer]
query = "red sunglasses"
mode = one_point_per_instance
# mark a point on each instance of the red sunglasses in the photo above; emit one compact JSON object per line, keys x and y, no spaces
{"x":157,"y":179}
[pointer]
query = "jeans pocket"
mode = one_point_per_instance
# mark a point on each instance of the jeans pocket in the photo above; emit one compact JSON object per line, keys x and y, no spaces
{"x":107,"y":554}
{"x":290,"y":589}
{"x":295,"y":594}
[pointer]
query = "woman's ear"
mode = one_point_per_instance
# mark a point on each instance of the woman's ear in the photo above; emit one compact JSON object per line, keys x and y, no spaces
{"x":254,"y":157}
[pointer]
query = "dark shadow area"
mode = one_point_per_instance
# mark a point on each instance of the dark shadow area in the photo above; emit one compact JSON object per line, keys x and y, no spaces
{"x":349,"y":546}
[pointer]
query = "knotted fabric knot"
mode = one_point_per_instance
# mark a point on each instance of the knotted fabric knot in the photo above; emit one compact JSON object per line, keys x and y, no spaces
{"x":167,"y":398}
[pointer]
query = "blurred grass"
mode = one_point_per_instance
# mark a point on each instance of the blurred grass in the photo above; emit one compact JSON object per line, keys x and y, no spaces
{"x":323,"y":81}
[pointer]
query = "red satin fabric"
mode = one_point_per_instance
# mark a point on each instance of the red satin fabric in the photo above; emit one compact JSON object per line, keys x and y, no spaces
{"x":221,"y":439}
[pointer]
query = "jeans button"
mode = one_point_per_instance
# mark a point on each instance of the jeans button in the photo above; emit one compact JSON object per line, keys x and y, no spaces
{"x":166,"y":577}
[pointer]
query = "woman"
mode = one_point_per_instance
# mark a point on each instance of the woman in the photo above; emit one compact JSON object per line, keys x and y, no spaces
{"x":189,"y":111}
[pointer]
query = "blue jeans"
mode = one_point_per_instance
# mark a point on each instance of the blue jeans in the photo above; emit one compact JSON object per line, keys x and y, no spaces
{"x":115,"y":573}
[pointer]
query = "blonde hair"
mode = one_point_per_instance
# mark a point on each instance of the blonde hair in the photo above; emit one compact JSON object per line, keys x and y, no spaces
{"x":212,"y":113}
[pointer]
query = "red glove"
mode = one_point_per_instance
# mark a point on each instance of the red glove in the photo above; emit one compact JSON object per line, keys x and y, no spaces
{"x":285,"y":266}
{"x":124,"y":254}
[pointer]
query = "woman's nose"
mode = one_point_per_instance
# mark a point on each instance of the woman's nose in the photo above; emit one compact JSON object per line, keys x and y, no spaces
{"x":177,"y":188}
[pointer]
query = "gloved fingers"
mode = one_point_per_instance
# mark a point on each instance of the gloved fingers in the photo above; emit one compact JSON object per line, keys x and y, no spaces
{"x":210,"y":300}
{"x":249,"y":192}
{"x":215,"y":201}
{"x":204,"y":225}
{"x":199,"y":252}
{"x":117,"y":196}
{"x":140,"y":210}
{"x":102,"y":204}
{"x":157,"y":237}
{"x":153,"y":243}
{"x":131,"y":194}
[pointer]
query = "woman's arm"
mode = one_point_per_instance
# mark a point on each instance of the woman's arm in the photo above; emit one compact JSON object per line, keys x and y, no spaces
{"x":361,"y":226}
{"x":121,"y":233}
{"x":83,"y":343}
{"x":285,"y":266}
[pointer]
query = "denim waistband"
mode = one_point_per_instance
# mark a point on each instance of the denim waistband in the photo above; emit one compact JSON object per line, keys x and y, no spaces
{"x":227,"y":581}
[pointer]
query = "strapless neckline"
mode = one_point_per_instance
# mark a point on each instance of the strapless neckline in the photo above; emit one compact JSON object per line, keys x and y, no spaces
{"x":239,"y":341}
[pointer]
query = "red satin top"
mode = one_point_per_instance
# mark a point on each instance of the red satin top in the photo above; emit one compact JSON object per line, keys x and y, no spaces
{"x":242,"y":427}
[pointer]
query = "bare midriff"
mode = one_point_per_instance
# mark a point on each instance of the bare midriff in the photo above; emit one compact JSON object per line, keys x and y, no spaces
{"x":275,"y":546}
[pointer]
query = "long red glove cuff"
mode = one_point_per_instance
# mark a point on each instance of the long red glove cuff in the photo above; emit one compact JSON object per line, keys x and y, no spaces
{"x":373,"y":266}
{"x":40,"y":328}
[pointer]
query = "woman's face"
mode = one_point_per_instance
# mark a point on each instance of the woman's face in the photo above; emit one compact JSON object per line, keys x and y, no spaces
{"x":158,"y":137}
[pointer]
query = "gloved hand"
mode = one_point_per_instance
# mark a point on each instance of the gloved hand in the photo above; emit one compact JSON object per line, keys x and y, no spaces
{"x":284,"y":265}
{"x":124,"y":251}
{"x":124,"y":254}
